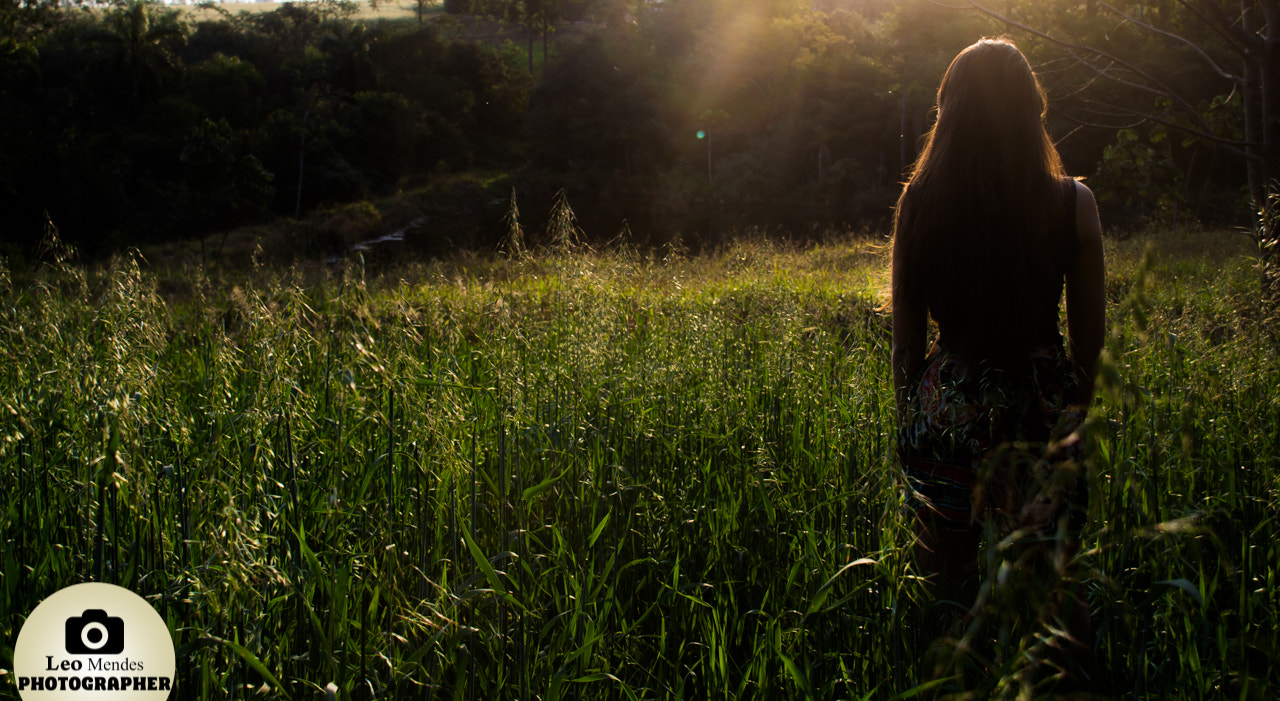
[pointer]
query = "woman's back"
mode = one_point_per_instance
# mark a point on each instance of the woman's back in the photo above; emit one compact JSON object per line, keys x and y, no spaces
{"x":994,"y":288}
{"x":988,"y":233}
{"x":985,"y":222}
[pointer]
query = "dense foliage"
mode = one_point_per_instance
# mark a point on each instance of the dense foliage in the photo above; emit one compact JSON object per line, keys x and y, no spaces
{"x":138,"y":123}
{"x":134,"y":124}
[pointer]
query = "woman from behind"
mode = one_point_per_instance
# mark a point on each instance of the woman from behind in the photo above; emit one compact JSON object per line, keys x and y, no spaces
{"x":988,"y":233}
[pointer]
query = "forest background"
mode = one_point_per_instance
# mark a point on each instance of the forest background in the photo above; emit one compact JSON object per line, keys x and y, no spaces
{"x":134,"y":123}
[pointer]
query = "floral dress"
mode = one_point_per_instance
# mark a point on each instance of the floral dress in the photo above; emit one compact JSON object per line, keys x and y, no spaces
{"x":977,"y":442}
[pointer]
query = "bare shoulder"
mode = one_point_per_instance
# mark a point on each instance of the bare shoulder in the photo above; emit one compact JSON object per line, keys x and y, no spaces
{"x":1088,"y":225}
{"x":1084,"y":197}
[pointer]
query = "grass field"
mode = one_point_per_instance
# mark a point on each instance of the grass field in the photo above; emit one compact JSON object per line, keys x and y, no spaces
{"x":607,"y":474}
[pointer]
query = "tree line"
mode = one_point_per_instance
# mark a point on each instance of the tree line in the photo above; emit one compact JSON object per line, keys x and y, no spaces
{"x":136,"y":122}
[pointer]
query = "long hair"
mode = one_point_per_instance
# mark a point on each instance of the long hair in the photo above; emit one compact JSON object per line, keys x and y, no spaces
{"x":974,"y":224}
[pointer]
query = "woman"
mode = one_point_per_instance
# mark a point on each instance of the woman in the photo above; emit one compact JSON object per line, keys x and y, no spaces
{"x":988,"y":230}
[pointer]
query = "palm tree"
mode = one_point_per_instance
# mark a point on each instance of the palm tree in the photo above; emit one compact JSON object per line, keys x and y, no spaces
{"x":139,"y":36}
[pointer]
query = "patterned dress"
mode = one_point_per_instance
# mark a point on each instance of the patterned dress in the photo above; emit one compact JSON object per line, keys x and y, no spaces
{"x":982,"y":443}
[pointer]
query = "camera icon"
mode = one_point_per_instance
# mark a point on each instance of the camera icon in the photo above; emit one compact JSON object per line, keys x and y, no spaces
{"x":95,"y":633}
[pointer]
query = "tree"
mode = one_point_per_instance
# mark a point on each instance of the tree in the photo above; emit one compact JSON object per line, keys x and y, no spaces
{"x":141,"y":36}
{"x":540,"y":14}
{"x":535,"y":15}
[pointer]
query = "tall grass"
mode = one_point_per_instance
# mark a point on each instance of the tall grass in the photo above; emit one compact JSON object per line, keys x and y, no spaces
{"x":592,"y":474}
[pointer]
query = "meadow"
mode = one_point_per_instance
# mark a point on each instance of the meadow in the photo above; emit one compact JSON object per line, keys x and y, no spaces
{"x":578,"y":473}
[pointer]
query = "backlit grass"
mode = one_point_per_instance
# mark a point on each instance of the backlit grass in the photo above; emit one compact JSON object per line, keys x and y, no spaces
{"x":600,"y":475}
